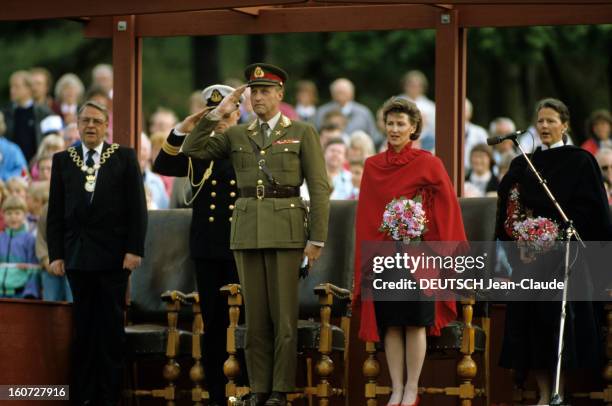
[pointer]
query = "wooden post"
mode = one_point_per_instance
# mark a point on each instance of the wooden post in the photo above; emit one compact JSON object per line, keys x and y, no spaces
{"x":325,"y":366}
{"x":196,"y":373}
{"x":450,"y":94}
{"x":127,"y":88}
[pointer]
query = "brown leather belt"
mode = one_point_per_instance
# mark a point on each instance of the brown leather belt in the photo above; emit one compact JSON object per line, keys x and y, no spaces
{"x":262,"y":191}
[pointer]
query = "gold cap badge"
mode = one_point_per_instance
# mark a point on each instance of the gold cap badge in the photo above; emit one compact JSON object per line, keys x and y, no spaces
{"x":216,"y":96}
{"x":259,"y":73}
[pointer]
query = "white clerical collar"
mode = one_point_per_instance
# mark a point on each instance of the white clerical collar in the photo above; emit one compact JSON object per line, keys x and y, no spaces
{"x":271,"y":122}
{"x":98,"y":149}
{"x":555,"y":145}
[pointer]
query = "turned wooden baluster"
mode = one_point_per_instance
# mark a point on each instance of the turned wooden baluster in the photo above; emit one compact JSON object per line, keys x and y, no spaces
{"x":172,"y":369}
{"x":325,"y":366}
{"x":466,"y":368}
{"x":231,"y":367}
{"x":197,"y":371}
{"x":371,"y":370}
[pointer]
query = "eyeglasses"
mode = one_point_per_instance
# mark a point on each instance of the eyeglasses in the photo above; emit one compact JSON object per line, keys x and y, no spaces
{"x":88,"y":120}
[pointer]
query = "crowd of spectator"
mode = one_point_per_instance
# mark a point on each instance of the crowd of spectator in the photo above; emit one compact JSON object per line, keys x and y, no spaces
{"x":41,"y":120}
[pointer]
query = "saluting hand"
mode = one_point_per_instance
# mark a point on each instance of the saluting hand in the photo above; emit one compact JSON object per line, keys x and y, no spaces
{"x":131,"y":261}
{"x":230,"y":102}
{"x":189,"y":123}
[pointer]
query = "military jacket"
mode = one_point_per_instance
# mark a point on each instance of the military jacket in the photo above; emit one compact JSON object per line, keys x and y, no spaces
{"x":292,"y":153}
{"x":214,"y":203}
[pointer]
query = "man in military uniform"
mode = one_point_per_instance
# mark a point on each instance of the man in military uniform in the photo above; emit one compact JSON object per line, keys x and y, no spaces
{"x":214,"y":191}
{"x":272,"y":230}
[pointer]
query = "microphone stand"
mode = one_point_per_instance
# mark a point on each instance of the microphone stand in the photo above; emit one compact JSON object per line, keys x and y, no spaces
{"x":569,"y":232}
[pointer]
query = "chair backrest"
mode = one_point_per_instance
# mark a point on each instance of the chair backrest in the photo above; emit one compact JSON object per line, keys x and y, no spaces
{"x":336,"y":262}
{"x":479,"y":217}
{"x":166,"y":265}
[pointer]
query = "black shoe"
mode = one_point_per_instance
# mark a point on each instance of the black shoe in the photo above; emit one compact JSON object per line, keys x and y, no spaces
{"x":257,"y":399}
{"x":277,"y":399}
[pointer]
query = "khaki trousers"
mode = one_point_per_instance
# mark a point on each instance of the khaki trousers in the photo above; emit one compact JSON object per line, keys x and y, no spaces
{"x":269,"y":279}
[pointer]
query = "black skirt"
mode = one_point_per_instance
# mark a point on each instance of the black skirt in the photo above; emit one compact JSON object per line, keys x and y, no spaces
{"x":405,"y":313}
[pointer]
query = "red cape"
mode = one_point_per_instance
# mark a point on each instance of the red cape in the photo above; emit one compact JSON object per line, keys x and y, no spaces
{"x":390,"y":175}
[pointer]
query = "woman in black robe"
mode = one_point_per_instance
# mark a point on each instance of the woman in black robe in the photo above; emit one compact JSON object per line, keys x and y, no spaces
{"x":532,"y":328}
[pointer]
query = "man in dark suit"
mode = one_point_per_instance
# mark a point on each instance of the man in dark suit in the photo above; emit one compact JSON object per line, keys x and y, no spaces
{"x":96,"y":229}
{"x":214,"y":189}
{"x":23,"y":115}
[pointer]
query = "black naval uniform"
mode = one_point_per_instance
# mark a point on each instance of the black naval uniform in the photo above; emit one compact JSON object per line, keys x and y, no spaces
{"x":209,"y":246}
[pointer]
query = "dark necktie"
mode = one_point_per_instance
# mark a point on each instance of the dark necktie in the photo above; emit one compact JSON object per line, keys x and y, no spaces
{"x":90,"y":164}
{"x":264,"y":132}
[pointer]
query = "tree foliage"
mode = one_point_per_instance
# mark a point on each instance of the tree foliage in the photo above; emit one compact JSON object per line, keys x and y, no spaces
{"x":508,"y":69}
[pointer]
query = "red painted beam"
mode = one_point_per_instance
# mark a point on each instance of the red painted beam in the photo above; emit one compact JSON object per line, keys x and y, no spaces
{"x":127,"y":85}
{"x":527,"y":15}
{"x":450,"y":94}
{"x":351,"y":18}
{"x":44,"y":9}
{"x":277,"y":20}
{"x":475,"y":2}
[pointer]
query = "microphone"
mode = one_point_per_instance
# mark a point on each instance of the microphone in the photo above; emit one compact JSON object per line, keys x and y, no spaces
{"x":497,"y":139}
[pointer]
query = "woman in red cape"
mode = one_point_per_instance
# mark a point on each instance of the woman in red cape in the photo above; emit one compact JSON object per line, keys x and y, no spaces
{"x":404,"y":171}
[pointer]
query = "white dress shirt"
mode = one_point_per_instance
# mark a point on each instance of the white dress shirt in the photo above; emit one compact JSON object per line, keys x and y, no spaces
{"x":97,"y":154}
{"x":271,"y":123}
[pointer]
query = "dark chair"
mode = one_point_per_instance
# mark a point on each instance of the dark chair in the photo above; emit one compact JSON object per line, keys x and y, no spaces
{"x":331,"y":278}
{"x":460,"y":338}
{"x":156,"y":301}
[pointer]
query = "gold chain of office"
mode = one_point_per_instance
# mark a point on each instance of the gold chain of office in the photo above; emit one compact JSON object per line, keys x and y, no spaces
{"x":91,"y":171}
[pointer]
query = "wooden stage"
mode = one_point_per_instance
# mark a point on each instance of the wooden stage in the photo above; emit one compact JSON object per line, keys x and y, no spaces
{"x":35,"y":349}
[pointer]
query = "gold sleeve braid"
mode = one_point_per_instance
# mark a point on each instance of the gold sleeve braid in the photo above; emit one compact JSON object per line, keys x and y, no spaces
{"x":170,"y":149}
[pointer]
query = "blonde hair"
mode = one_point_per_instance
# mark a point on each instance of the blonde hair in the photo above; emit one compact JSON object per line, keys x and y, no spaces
{"x":50,"y":142}
{"x":361,"y":139}
{"x":157,"y":139}
{"x":2,"y":124}
{"x":40,"y":191}
{"x":3,"y":192}
{"x":14,"y":203}
{"x":16,"y":182}
{"x":24,"y":75}
{"x":69,"y":79}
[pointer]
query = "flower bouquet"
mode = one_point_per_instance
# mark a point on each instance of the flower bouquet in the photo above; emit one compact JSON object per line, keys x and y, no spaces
{"x":536,"y":233}
{"x":404,"y":219}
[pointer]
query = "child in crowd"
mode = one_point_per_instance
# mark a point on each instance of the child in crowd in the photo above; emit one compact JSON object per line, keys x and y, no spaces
{"x":49,"y":145}
{"x":19,"y":269}
{"x":3,"y":196}
{"x":38,"y":196}
{"x":356,"y":167}
{"x":44,"y":167}
{"x":54,"y":287}
{"x":17,"y":186}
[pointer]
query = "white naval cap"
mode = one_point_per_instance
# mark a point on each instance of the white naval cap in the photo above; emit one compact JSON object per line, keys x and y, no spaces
{"x":213,"y":95}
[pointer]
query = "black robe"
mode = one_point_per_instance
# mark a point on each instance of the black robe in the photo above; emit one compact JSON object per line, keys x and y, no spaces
{"x":532,"y":328}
